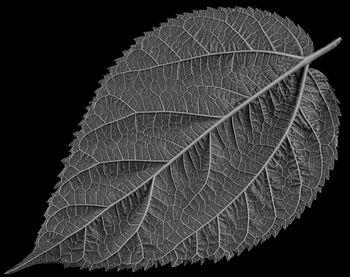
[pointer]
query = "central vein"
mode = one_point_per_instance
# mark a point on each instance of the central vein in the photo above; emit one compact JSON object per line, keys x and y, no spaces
{"x":302,"y":63}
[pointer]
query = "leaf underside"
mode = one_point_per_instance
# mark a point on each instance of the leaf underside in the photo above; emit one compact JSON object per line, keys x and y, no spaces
{"x":154,"y":176}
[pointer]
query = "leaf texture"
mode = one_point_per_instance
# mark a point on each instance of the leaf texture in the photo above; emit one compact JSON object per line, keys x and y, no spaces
{"x":184,"y":155}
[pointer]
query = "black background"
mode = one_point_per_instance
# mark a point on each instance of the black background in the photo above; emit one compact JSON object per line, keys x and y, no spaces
{"x":57,"y":56}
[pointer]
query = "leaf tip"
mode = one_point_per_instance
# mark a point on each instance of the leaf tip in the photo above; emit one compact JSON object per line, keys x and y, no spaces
{"x":11,"y":270}
{"x":14,"y":269}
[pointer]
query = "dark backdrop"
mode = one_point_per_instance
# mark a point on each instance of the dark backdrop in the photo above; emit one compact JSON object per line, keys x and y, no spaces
{"x":57,"y":56}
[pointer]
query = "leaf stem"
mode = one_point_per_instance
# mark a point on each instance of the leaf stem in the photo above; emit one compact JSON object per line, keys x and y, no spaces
{"x":322,"y":51}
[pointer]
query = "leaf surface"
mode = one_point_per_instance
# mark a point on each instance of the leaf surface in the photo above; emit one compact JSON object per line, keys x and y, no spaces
{"x":207,"y":137}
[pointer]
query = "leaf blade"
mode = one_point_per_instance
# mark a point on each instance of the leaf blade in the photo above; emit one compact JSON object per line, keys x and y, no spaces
{"x":209,"y":130}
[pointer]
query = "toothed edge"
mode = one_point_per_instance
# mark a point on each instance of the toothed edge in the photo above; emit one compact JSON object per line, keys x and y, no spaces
{"x":114,"y":70}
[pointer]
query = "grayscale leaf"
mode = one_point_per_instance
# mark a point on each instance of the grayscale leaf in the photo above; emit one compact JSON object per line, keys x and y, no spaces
{"x":207,"y":137}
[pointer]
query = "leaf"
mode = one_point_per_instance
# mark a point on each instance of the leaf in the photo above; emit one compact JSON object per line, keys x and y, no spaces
{"x":207,"y":137}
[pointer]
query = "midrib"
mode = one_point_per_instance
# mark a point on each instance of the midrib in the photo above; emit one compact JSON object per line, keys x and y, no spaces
{"x":305,"y":61}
